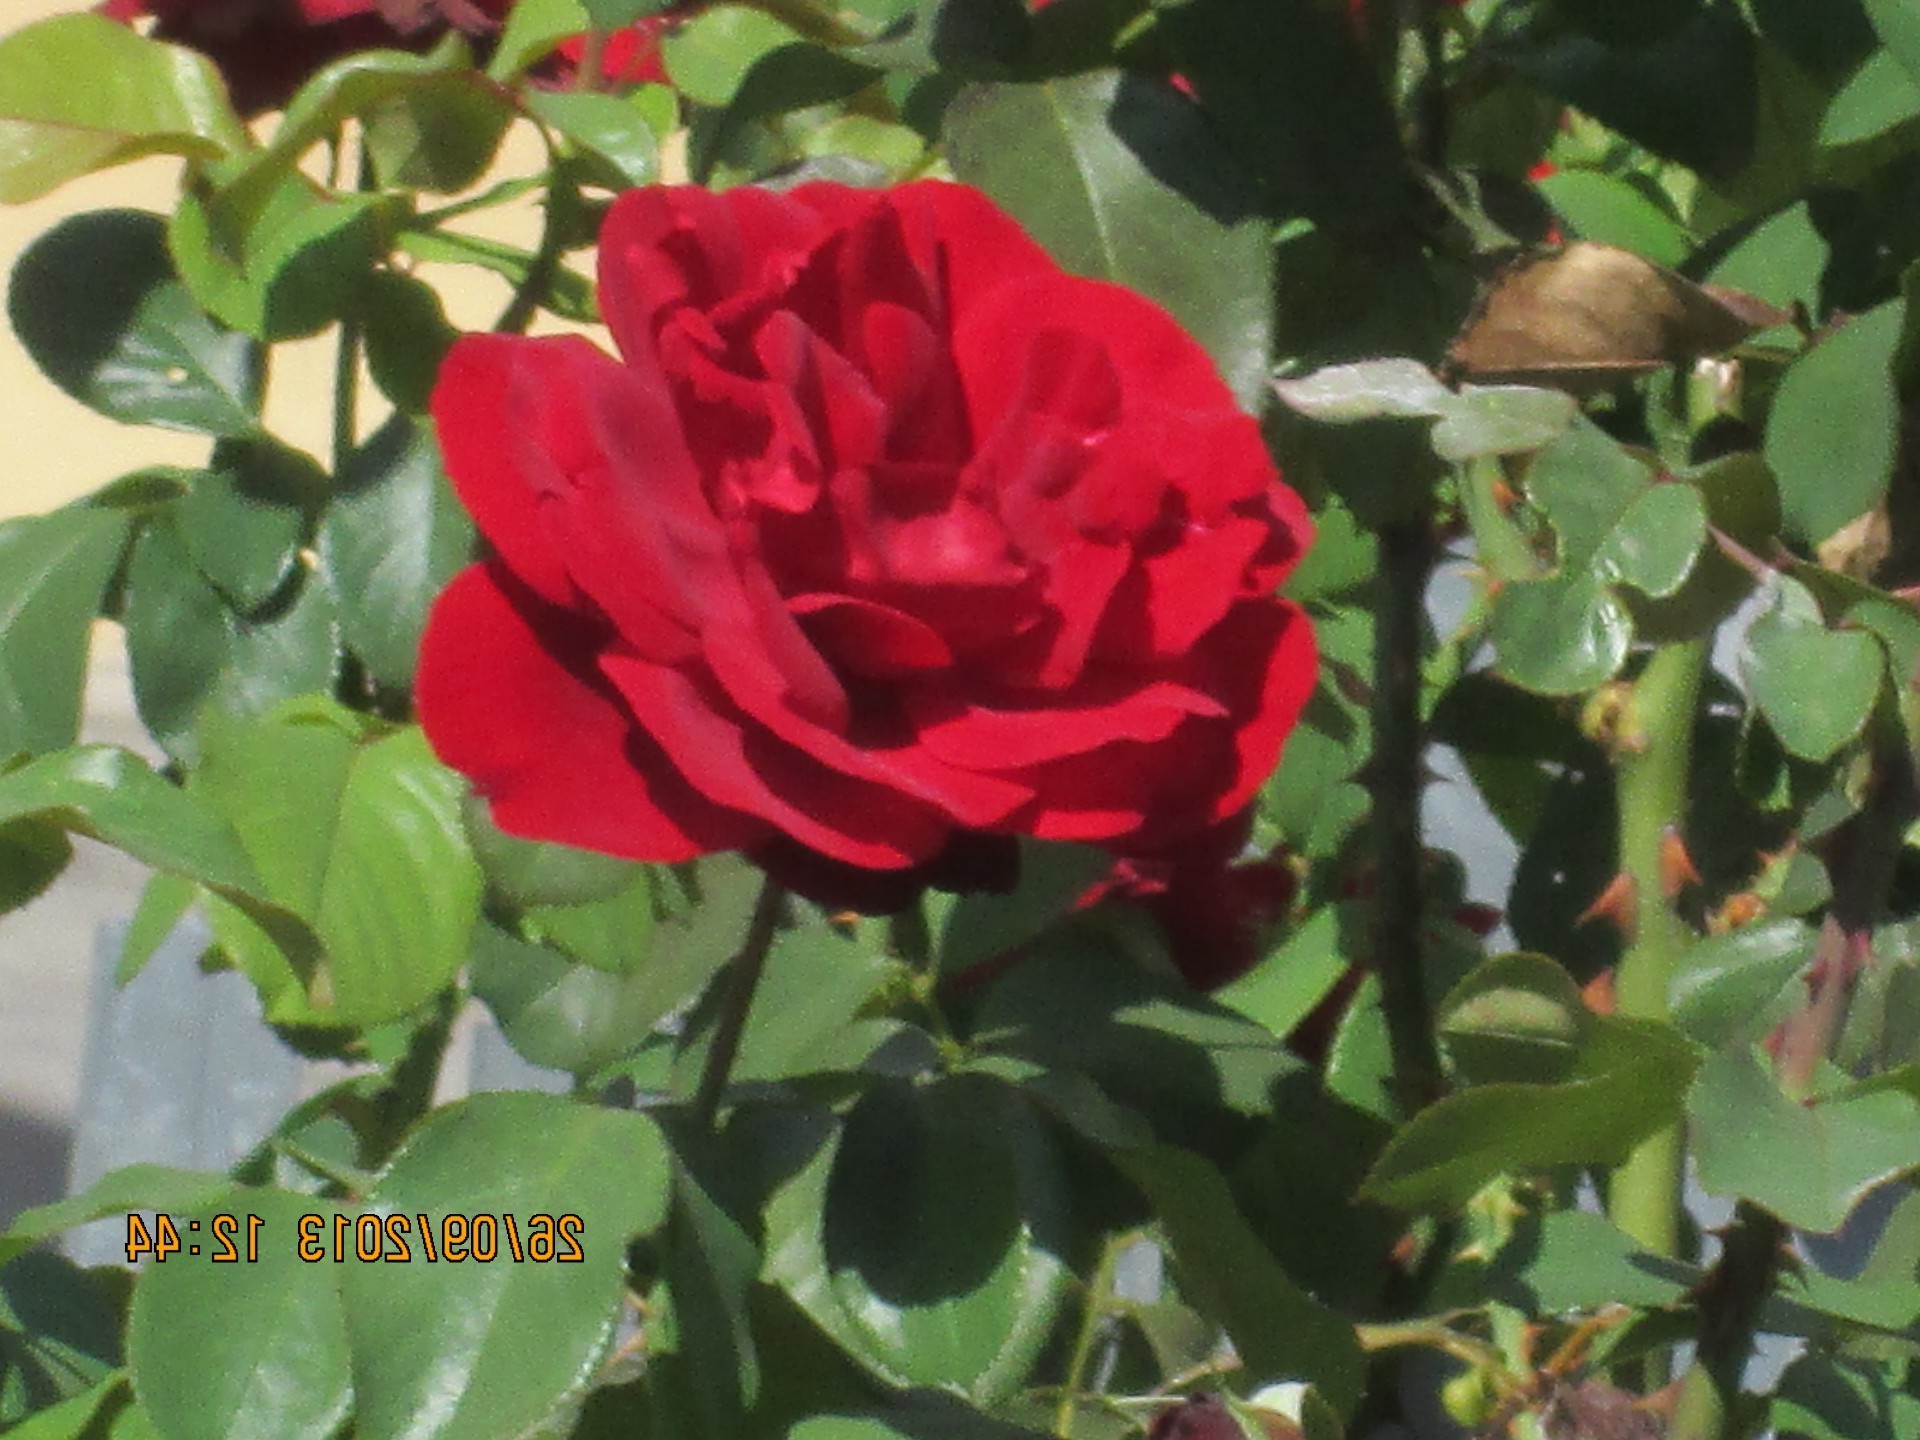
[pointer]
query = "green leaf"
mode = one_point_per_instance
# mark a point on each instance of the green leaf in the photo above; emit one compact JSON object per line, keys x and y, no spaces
{"x":1575,"y":1260}
{"x":1053,"y":877}
{"x":535,"y":872}
{"x":1654,"y":545}
{"x":165,"y":900}
{"x":1501,"y":420}
{"x":927,"y":1237}
{"x":440,"y":1347}
{"x":76,"y":1417}
{"x":1612,"y":210}
{"x":711,"y":1268}
{"x":1779,"y":261}
{"x":95,"y":303}
{"x":710,"y":55}
{"x":163,"y":98}
{"x":606,"y":127}
{"x":286,"y":267}
{"x":242,"y":1351}
{"x":1367,"y":390}
{"x":391,"y":540}
{"x":1727,"y":986}
{"x":1585,"y":482}
{"x":533,"y":28}
{"x":1898,"y":27}
{"x":60,"y":1331}
{"x":1841,"y":1148}
{"x":1832,"y":431}
{"x":1298,"y":106}
{"x":1278,"y":1330}
{"x":1629,"y":1081}
{"x":111,"y":795}
{"x":1824,"y":1397}
{"x":561,"y":1014}
{"x":1284,"y":989}
{"x":567,"y":293}
{"x":436,"y":133}
{"x":190,"y":652}
{"x":362,"y":839}
{"x":243,"y":519}
{"x":1080,"y":163}
{"x":1815,"y":686}
{"x":407,"y":334}
{"x":1514,"y":1018}
{"x":53,"y":577}
{"x":1881,"y":96}
{"x":1561,"y":635}
{"x":131,"y":1187}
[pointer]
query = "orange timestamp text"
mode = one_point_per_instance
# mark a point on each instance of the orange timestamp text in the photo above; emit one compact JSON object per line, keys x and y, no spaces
{"x":370,"y":1237}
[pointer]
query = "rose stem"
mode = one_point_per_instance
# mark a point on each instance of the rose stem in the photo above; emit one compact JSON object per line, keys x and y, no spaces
{"x":1753,"y":1248}
{"x":1406,"y":562}
{"x":1653,"y":756}
{"x":741,"y":978}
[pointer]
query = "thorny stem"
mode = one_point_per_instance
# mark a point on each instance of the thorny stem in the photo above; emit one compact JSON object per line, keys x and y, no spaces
{"x":1656,"y":751}
{"x":741,"y":979}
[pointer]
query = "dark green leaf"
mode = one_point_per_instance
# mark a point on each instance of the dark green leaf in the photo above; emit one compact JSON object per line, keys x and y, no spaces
{"x":1516,"y":1018}
{"x":1728,"y":987}
{"x":249,"y":1349}
{"x":407,"y":335}
{"x":59,"y":1333}
{"x":1297,"y":105}
{"x":1573,"y":1260}
{"x":1822,"y":1397}
{"x":612,"y":14}
{"x":244,"y":518}
{"x":440,"y":1347}
{"x":1118,"y":178}
{"x":927,"y":1238}
{"x":1053,"y":877}
{"x":1832,"y":430}
{"x":393,"y":537}
{"x":53,"y":576}
{"x":438,"y":133}
{"x":164,"y":98}
{"x":95,"y":303}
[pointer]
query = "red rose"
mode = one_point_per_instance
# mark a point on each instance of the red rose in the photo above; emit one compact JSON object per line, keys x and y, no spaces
{"x":266,"y":49}
{"x":886,"y":537}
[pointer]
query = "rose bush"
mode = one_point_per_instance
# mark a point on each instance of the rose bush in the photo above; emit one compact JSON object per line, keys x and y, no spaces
{"x":884,"y":536}
{"x":265,"y":49}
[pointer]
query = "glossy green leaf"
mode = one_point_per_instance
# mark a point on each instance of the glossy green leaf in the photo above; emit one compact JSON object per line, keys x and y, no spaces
{"x":189,"y":651}
{"x":1585,"y":482}
{"x":362,"y":839}
{"x":712,"y":1267}
{"x":533,"y":28}
{"x":95,"y":303}
{"x":53,"y":578}
{"x":1823,"y":1397}
{"x":1629,"y":1081}
{"x":286,"y":268}
{"x":1730,"y":987}
{"x":164,"y":98}
{"x":1655,"y":543}
{"x":607,"y":128}
{"x":1816,"y":686}
{"x":612,"y":932}
{"x":1611,"y":210}
{"x":131,"y":1187}
{"x":1083,"y":164}
{"x":440,"y":1346}
{"x":111,"y":795}
{"x":1561,"y":635}
{"x":244,"y":1351}
{"x":1297,"y":106}
{"x":1832,"y":431}
{"x":1278,"y":1330}
{"x":533,"y":872}
{"x":391,"y":540}
{"x":711,"y":54}
{"x":243,"y":519}
{"x":1841,"y":1148}
{"x":926,"y":1238}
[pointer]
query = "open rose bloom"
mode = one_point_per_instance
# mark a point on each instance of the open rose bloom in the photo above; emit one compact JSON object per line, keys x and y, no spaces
{"x":884,"y":541}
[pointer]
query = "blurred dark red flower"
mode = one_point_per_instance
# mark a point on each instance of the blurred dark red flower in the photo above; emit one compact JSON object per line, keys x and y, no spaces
{"x":884,"y":535}
{"x":265,"y":49}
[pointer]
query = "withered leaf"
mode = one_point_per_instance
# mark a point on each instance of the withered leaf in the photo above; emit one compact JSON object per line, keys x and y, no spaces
{"x":1586,"y":317}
